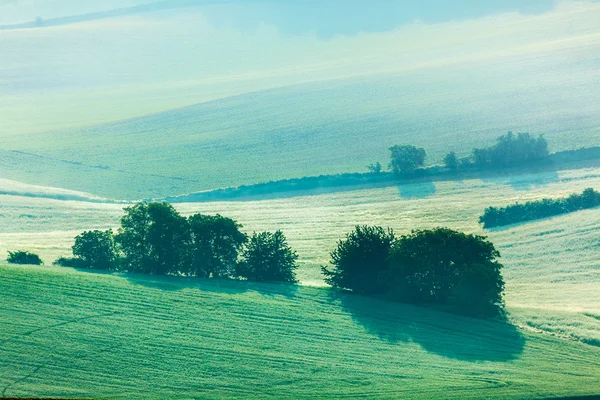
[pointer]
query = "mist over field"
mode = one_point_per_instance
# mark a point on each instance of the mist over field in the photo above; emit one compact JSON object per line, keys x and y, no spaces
{"x":109,"y":104}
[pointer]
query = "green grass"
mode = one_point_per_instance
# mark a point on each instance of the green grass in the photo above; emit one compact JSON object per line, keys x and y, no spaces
{"x":80,"y":334}
{"x":310,"y":129}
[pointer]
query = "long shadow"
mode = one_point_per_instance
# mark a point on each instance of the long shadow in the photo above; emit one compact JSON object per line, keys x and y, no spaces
{"x":229,"y":286}
{"x":417,"y":190}
{"x":447,"y":335}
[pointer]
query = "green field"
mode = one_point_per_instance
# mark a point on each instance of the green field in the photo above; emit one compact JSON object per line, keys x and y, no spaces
{"x":77,"y":334}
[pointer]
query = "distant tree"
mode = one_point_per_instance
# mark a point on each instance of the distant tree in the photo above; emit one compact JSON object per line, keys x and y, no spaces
{"x":406,"y":159}
{"x":375,"y":168}
{"x":154,"y":239}
{"x":215,"y":245}
{"x":96,"y":249}
{"x":360,"y":260}
{"x":451,"y":161}
{"x":532,"y":210}
{"x":447,"y":268}
{"x":268,"y":258}
{"x":23,"y":257}
{"x":511,"y":149}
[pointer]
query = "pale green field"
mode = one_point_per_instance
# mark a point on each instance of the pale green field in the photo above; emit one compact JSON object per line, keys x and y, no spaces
{"x":78,"y":334}
{"x":551,"y":265}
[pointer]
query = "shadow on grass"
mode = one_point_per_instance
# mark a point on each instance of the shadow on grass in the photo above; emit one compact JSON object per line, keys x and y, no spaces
{"x":417,"y":190}
{"x":447,"y":335}
{"x":229,"y":286}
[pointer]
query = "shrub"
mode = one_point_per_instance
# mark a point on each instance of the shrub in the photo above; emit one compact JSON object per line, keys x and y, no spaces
{"x":268,"y":258}
{"x":72,"y":262}
{"x":443,"y":267}
{"x":532,"y":210}
{"x":23,"y":257}
{"x":451,"y":161}
{"x":439,"y":267}
{"x":96,"y":249}
{"x":360,"y":259}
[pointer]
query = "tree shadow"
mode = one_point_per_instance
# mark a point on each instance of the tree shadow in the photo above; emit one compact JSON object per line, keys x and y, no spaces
{"x":526,"y":181}
{"x":447,"y":335}
{"x":417,"y":190}
{"x":228,"y":286}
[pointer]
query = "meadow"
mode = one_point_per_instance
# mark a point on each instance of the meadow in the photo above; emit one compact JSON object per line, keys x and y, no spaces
{"x":551,"y":265}
{"x":81,"y":334}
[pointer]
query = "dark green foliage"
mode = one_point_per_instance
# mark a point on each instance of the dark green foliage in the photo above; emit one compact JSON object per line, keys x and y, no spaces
{"x":72,"y":262}
{"x":360,"y":259}
{"x":375,"y":168}
{"x":451,"y":161}
{"x":532,"y":210}
{"x":439,"y":267}
{"x":23,"y":257}
{"x":451,"y":269}
{"x":96,"y":249}
{"x":153,"y":238}
{"x":511,"y":150}
{"x":406,"y":159}
{"x":268,"y":258}
{"x":215,"y":244}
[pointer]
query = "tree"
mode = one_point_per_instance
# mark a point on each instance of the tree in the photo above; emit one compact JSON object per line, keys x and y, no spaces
{"x":23,"y":257}
{"x":406,"y":159}
{"x":360,"y":259}
{"x":447,"y":268}
{"x":268,"y":258}
{"x":215,"y":245}
{"x":96,"y":249}
{"x":154,"y":239}
{"x":451,"y":161}
{"x":375,"y":168}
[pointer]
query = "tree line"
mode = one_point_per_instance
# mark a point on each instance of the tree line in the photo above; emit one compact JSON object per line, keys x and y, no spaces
{"x":532,"y":210}
{"x":509,"y":150}
{"x":155,"y":239}
{"x":440,"y":267}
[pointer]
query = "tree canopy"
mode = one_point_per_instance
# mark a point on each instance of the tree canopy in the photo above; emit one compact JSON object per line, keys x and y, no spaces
{"x":360,"y":259}
{"x":96,"y":249}
{"x":268,"y":258}
{"x":440,"y":267}
{"x":406,"y":159}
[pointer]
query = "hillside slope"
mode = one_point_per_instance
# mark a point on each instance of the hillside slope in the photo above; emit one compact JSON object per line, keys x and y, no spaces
{"x":77,"y":334}
{"x":317,"y":128}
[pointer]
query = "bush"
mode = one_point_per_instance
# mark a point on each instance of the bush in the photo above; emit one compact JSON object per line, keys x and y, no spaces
{"x":451,"y":269}
{"x":72,"y":262}
{"x":532,"y":210}
{"x":95,"y":249}
{"x":268,"y":258}
{"x":439,"y":267}
{"x":23,"y":257}
{"x":360,"y":259}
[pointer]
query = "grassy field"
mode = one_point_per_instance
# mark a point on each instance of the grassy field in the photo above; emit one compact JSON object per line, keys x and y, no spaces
{"x":78,"y":334}
{"x":311,"y":129}
{"x":551,"y":265}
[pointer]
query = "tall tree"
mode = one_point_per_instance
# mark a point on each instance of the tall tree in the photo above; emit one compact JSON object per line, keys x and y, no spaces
{"x":96,"y":249}
{"x":154,"y":239}
{"x":215,"y":245}
{"x":360,"y":259}
{"x":406,"y":159}
{"x":268,"y":258}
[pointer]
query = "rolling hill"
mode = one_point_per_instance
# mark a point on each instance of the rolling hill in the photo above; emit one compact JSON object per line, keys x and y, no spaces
{"x":78,"y":334}
{"x":311,"y":129}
